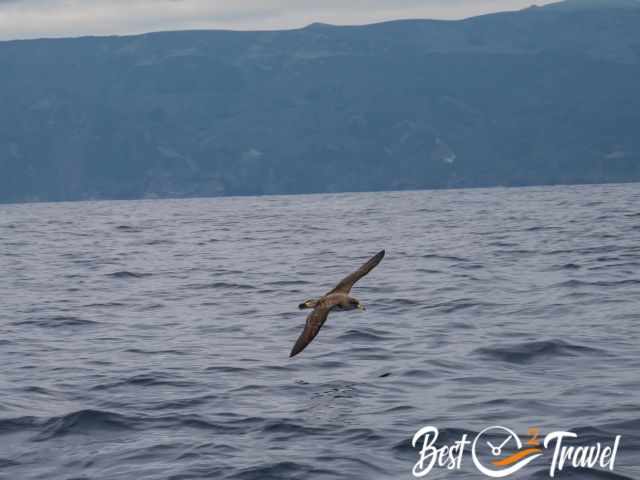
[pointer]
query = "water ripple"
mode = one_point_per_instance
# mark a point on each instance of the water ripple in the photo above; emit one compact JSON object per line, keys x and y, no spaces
{"x":151,"y":339}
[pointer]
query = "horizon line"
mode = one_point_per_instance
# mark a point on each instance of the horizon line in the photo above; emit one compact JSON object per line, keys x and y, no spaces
{"x":316,"y":24}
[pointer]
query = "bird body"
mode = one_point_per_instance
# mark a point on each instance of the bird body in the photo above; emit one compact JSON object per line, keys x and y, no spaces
{"x":336,"y":299}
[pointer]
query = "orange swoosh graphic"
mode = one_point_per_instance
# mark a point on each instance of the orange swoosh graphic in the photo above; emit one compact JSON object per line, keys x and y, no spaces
{"x":515,"y":457}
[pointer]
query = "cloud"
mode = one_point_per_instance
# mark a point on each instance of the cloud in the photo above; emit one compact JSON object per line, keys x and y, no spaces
{"x":59,"y":18}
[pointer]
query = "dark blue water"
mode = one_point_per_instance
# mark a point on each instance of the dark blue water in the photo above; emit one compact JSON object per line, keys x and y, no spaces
{"x":150,"y":339}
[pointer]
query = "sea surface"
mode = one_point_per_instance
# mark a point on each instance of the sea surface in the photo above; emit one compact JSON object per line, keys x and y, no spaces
{"x":150,"y":339}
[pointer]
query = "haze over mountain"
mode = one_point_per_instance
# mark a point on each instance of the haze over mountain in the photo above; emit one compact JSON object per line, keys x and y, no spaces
{"x":541,"y":96}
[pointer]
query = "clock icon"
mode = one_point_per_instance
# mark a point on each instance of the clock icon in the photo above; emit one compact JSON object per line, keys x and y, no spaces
{"x":485,"y":442}
{"x":505,"y":436}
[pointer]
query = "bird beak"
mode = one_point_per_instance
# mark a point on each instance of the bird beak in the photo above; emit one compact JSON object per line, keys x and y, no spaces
{"x":361,"y":307}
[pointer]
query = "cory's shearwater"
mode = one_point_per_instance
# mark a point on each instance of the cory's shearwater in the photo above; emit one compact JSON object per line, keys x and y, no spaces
{"x":336,"y":299}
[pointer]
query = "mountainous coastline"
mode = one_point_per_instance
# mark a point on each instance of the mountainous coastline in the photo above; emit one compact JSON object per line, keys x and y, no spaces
{"x":545,"y":95}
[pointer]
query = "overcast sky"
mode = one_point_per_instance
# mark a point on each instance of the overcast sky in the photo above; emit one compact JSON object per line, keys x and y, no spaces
{"x":56,"y":18}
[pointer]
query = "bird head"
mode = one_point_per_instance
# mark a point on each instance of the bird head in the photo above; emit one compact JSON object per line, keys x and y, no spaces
{"x":356,"y":304}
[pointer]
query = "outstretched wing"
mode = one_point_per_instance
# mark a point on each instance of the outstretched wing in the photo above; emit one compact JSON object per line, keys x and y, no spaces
{"x":315,"y":320}
{"x":347,"y":282}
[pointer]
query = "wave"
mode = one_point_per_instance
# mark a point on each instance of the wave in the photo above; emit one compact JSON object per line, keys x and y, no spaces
{"x":420,"y":373}
{"x":211,"y":240}
{"x":10,"y":425}
{"x":462,"y":326}
{"x":584,"y":250}
{"x":155,"y":352}
{"x":539,"y":228}
{"x":128,"y":228}
{"x":503,"y":244}
{"x":105,"y":305}
{"x":580,"y":474}
{"x":566,"y":266}
{"x":292,"y":429}
{"x":405,"y":302}
{"x":285,"y":283}
{"x":127,"y":274}
{"x":528,"y":352}
{"x":160,"y":241}
{"x":364,"y":335}
{"x":37,"y":389}
{"x":630,"y":267}
{"x":230,"y":285}
{"x":363,"y":435}
{"x":83,"y":422}
{"x":226,"y":369}
{"x":459,"y":304}
{"x":145,"y":380}
{"x":574,"y":283}
{"x":628,"y":429}
{"x":428,"y":271}
{"x":183,"y":403}
{"x":58,"y":321}
{"x":282,"y":470}
{"x":448,"y":258}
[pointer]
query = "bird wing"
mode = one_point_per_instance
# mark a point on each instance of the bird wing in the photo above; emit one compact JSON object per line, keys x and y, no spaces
{"x":315,"y":320}
{"x":347,"y":282}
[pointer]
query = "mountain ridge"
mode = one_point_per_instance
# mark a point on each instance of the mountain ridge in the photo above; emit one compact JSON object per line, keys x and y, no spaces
{"x":536,"y":96}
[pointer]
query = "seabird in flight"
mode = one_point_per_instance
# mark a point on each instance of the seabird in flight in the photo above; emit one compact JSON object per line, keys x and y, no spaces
{"x":336,"y":299}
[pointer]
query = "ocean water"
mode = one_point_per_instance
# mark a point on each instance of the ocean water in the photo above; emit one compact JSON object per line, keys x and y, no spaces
{"x":150,"y":339}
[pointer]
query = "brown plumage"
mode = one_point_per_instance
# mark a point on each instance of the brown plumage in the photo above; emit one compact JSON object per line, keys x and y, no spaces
{"x":336,"y":299}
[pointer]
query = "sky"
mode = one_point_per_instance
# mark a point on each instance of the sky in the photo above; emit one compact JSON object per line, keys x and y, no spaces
{"x":64,"y":18}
